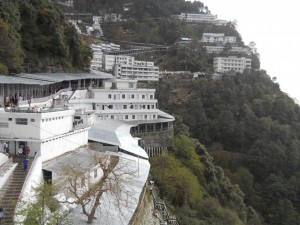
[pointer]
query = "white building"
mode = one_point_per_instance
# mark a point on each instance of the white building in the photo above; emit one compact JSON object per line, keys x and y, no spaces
{"x":217,"y":38}
{"x":57,"y":136}
{"x":121,"y":102}
{"x":42,"y":131}
{"x":126,"y":67}
{"x":100,"y":61}
{"x":234,"y":49}
{"x":197,"y":17}
{"x":225,"y":64}
{"x":140,"y":70}
{"x":214,"y":49}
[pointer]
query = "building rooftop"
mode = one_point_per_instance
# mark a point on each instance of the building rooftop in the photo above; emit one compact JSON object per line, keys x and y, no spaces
{"x":134,"y":172}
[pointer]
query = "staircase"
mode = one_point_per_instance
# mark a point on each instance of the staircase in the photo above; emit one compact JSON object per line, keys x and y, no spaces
{"x":160,"y":205}
{"x":9,"y":194}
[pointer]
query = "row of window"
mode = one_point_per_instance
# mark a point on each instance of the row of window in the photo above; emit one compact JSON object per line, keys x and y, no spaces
{"x":55,"y":118}
{"x":129,"y":96}
{"x":127,"y":117}
{"x":120,"y":107}
{"x":24,"y":121}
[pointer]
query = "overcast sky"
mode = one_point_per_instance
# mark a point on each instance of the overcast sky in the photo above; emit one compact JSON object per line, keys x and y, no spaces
{"x":275,"y":28}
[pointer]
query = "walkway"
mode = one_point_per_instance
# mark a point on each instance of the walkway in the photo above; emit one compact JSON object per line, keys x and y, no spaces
{"x":9,"y":194}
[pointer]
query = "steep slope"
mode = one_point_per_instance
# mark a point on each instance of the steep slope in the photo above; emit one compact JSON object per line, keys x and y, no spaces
{"x":251,"y":129}
{"x":35,"y":37}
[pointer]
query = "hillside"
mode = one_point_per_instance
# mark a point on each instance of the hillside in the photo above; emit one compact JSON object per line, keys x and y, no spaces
{"x":236,"y":154}
{"x":35,"y":37}
{"x":251,"y":129}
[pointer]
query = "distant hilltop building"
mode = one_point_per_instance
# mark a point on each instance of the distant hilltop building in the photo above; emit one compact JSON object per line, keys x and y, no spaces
{"x":201,"y":18}
{"x":218,"y":38}
{"x":197,"y":17}
{"x":231,"y":63}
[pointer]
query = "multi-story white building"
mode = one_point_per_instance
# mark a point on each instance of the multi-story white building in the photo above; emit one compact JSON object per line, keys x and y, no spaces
{"x":119,"y":100}
{"x":225,"y":64}
{"x":197,"y":17}
{"x":214,"y":49}
{"x":234,"y":49}
{"x":217,"y":38}
{"x":100,"y":61}
{"x":126,"y":67}
{"x":140,"y":70}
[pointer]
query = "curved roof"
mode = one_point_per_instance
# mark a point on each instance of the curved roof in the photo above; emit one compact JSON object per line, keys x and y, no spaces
{"x":115,"y":132}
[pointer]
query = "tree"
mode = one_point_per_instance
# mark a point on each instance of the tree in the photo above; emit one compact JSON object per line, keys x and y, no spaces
{"x":45,"y":210}
{"x":88,"y":191}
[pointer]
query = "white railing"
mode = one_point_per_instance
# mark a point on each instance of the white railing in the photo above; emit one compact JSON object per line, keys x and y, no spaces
{"x":18,"y":203}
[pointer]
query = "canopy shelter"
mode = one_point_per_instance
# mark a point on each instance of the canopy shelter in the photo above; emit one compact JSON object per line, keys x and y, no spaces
{"x":39,"y":85}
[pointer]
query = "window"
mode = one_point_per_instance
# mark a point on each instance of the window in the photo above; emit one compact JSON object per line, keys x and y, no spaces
{"x":145,"y":116}
{"x":32,"y":120}
{"x":131,"y":85}
{"x":109,"y":95}
{"x":151,"y":96}
{"x":152,"y":106}
{"x":22,"y":121}
{"x":133,"y":117}
{"x":126,"y":117}
{"x":154,"y":116}
{"x":124,"y":106}
{"x":123,"y":96}
{"x":132,"y":96}
{"x":95,"y":173}
{"x":143,"y":96}
{"x":82,"y":184}
{"x":112,"y":117}
{"x":9,"y":119}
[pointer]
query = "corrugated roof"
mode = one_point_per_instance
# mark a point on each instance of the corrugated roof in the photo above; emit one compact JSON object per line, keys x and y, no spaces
{"x":50,"y":78}
{"x":58,"y":77}
{"x":20,"y":80}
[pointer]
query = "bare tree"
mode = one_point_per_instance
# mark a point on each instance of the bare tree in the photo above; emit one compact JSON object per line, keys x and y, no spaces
{"x":87,"y":187}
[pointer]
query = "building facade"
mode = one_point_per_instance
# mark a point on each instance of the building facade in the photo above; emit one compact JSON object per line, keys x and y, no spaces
{"x":197,"y":17}
{"x":218,"y":38}
{"x":231,"y":63}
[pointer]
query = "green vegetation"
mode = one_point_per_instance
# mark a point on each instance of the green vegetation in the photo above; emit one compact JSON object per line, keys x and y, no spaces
{"x":35,"y":37}
{"x":198,"y":190}
{"x":251,"y":129}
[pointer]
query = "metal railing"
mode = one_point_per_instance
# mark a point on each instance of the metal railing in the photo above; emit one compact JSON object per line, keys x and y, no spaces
{"x":6,"y":166}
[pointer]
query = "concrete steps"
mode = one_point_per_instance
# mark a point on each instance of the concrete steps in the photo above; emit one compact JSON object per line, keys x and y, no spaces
{"x":9,"y":194}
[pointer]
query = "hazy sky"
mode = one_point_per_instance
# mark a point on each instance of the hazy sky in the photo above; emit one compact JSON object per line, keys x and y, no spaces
{"x":275,"y":28}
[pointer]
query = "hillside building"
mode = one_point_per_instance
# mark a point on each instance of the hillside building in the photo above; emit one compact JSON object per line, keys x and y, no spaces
{"x":197,"y":17}
{"x":217,"y":38}
{"x":231,"y":63}
{"x":126,"y":67}
{"x":222,"y":49}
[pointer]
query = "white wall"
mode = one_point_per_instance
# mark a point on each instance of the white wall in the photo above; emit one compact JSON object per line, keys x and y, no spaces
{"x":53,"y":148}
{"x":56,"y":123}
{"x":39,"y":125}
